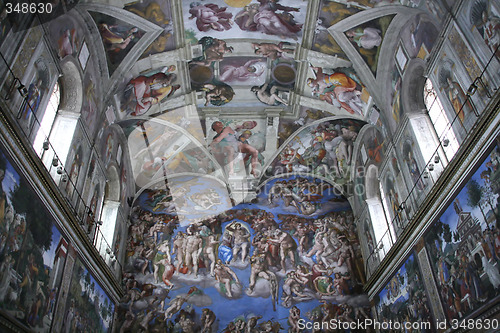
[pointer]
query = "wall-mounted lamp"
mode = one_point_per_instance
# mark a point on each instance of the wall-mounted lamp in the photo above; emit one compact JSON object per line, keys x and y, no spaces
{"x":22,"y":90}
{"x":45,"y":145}
{"x":64,"y":178}
{"x":55,"y":162}
{"x":472,"y":89}
{"x":436,"y":159}
{"x":60,"y":170}
{"x":430,"y":167}
{"x":426,"y":175}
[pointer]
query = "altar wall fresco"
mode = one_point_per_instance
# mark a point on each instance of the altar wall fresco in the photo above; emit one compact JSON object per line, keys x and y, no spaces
{"x":292,"y":253}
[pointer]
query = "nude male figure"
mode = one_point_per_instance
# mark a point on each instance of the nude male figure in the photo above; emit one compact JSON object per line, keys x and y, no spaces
{"x":225,"y":275}
{"x":192,"y":250}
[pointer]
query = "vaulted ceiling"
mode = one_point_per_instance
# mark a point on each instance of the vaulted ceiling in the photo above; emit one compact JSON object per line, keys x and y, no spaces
{"x":288,"y":77}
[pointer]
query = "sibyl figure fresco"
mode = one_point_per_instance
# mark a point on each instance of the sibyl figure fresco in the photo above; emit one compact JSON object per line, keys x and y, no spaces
{"x":145,"y":91}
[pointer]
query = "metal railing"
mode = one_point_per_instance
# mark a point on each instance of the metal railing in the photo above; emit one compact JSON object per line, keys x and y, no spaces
{"x":88,"y":222}
{"x":380,"y":250}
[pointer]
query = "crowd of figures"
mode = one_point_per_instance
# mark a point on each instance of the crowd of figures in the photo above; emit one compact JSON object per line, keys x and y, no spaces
{"x":305,"y":267}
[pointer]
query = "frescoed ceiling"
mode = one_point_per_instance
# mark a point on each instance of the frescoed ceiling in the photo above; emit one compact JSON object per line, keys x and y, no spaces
{"x":230,"y":88}
{"x":263,"y":70}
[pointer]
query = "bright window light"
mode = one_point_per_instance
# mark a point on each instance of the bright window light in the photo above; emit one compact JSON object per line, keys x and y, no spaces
{"x":440,"y":121}
{"x":47,"y":120}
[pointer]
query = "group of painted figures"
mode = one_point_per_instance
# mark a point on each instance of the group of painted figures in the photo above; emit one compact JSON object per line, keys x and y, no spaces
{"x":298,"y":259}
{"x":24,"y":287}
{"x":266,"y":16}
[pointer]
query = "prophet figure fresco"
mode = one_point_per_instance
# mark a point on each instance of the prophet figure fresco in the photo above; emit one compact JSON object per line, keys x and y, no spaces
{"x":229,"y":142}
{"x":337,"y":88}
{"x":261,"y":261}
{"x":144,"y":91}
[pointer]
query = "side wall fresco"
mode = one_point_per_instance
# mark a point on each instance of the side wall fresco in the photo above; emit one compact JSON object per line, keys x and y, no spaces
{"x":33,"y":255}
{"x":32,"y":252}
{"x":464,"y":244}
{"x":279,"y":257}
{"x":463,"y":250}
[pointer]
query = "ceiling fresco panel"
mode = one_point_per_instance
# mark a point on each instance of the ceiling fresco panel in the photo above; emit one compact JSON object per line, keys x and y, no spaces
{"x":367,"y":39}
{"x":118,"y":38}
{"x":340,"y":87}
{"x":159,"y":13}
{"x":264,"y":19}
{"x":324,"y":149}
{"x":330,"y":12}
{"x":149,"y":90}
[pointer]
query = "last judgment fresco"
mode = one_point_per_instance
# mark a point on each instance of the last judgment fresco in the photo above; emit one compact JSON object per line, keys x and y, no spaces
{"x":291,"y":254}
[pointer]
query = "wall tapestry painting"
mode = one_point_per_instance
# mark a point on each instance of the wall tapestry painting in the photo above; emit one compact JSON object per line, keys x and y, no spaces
{"x":464,"y":244}
{"x":404,"y":296}
{"x":88,"y":308}
{"x":32,"y":252}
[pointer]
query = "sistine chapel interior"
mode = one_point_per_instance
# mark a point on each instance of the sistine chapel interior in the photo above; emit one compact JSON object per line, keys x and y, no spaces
{"x":248,"y":166}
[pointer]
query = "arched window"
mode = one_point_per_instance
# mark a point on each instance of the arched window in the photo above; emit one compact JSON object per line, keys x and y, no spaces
{"x":382,"y":227}
{"x":440,"y":120}
{"x":48,"y":120}
{"x":109,"y":213}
